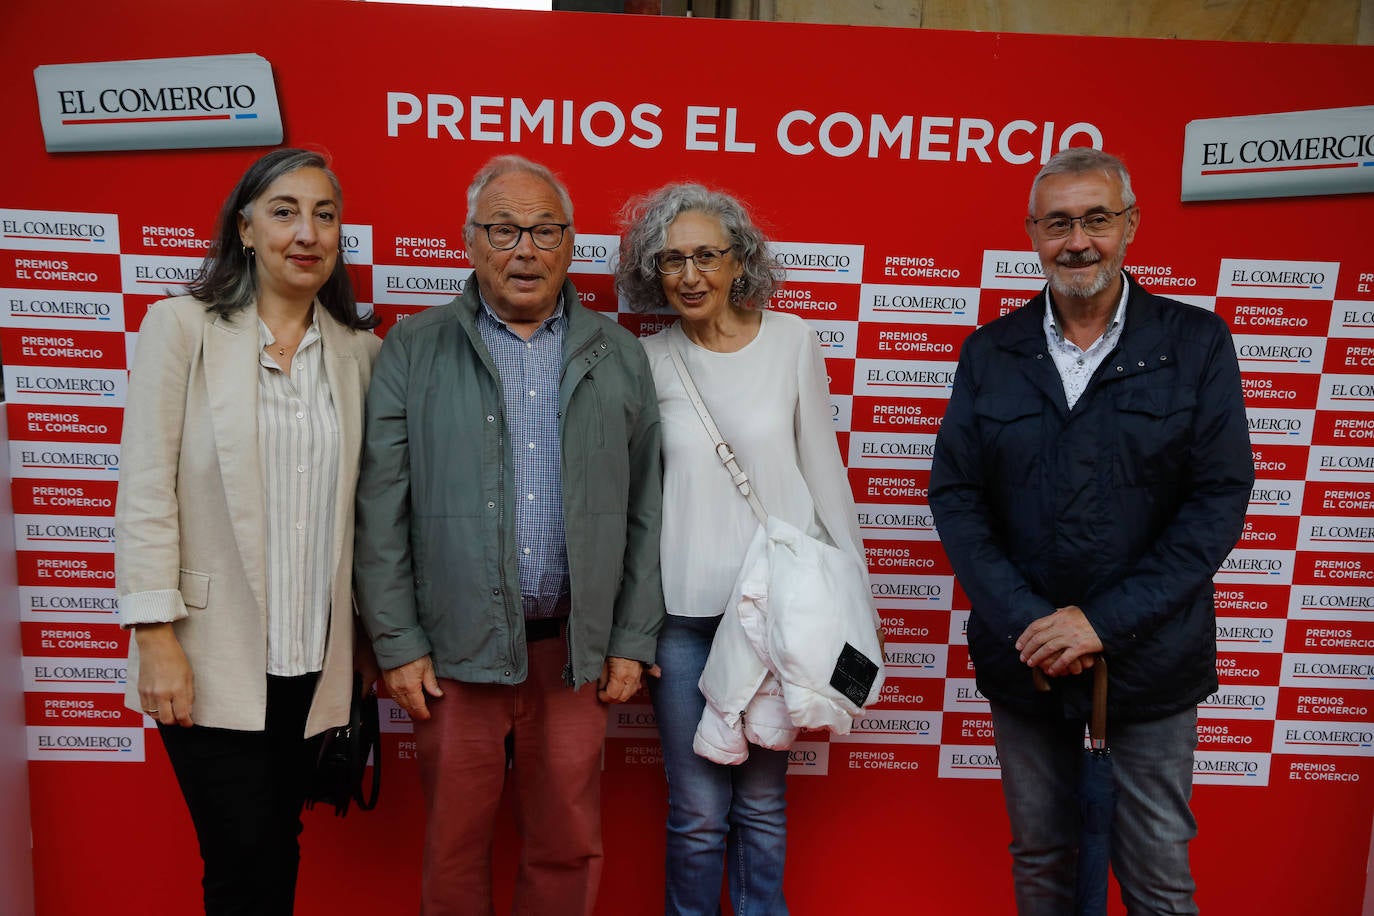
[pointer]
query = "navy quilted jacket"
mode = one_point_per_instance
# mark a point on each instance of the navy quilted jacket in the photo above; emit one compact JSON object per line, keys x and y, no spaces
{"x":1125,"y":505}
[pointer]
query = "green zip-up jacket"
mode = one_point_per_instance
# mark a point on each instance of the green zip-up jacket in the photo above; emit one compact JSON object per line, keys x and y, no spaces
{"x":435,"y":566}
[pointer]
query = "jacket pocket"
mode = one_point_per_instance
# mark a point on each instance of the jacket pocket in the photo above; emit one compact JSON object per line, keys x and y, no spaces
{"x":1009,"y":429}
{"x":195,"y":588}
{"x":593,"y":426}
{"x":1002,"y":408}
{"x":597,"y":431}
{"x":1154,"y":434}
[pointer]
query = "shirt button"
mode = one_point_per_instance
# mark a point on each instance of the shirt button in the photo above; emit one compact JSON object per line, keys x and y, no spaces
{"x":532,"y":392}
{"x":491,"y":504}
{"x":300,"y":469}
{"x":530,"y":497}
{"x":300,"y":525}
{"x":531,"y":445}
{"x":301,"y":416}
{"x":490,"y":418}
{"x":1141,"y":364}
{"x":527,"y":551}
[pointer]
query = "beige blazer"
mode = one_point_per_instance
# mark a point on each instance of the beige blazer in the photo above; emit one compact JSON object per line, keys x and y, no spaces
{"x":190,"y":515}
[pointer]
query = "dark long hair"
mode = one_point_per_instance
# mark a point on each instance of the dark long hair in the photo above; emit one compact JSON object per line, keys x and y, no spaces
{"x":228,"y":281}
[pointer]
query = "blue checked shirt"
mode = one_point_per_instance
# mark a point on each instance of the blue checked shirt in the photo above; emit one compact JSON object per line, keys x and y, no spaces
{"x":529,"y":371}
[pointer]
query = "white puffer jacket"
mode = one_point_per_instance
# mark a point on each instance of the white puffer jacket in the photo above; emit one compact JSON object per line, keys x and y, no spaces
{"x":797,"y":647}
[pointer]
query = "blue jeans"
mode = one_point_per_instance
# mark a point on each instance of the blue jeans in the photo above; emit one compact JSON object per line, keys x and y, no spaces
{"x":716,"y":814}
{"x":1152,"y":763}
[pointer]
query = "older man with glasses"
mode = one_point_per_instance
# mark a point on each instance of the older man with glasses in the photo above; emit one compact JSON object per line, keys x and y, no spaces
{"x":1091,"y":474}
{"x":507,"y":563}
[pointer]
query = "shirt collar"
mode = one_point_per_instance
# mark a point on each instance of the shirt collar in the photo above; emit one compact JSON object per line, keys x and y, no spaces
{"x":1052,"y":317}
{"x":547,"y":322}
{"x":312,"y":331}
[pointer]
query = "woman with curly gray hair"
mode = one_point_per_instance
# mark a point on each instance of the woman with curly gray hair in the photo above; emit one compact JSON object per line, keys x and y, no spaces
{"x":763,"y":379}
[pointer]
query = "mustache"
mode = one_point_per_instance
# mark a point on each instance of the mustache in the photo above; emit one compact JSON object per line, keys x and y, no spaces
{"x":1078,"y":258}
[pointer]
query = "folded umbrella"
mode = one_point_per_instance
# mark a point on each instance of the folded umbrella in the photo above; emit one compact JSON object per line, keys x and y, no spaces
{"x":1097,"y":801}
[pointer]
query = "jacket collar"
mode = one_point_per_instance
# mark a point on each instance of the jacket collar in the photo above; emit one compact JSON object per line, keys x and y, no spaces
{"x":1144,"y":346}
{"x":583,"y":339}
{"x":231,"y":373}
{"x":1022,"y":331}
{"x":342,"y":349}
{"x":231,"y":379}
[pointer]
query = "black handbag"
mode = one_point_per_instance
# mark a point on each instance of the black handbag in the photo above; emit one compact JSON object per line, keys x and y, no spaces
{"x":342,"y":763}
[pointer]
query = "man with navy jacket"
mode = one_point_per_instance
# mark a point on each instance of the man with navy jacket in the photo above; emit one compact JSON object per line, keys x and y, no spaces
{"x":1090,"y":476}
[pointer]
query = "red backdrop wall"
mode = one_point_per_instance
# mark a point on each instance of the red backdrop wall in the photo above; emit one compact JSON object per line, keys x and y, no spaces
{"x":893,"y":166}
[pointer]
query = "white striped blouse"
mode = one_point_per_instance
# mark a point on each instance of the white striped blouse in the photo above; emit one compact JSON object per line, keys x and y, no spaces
{"x":298,"y":448}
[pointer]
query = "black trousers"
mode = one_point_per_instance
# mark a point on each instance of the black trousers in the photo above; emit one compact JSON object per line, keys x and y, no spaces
{"x":245,"y":791}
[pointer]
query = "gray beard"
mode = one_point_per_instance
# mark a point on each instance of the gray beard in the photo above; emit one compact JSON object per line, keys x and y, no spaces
{"x":1082,"y":289}
{"x":1086,"y":289}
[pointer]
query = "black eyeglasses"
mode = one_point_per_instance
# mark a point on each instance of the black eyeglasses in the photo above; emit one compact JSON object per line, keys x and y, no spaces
{"x":1097,"y":223}
{"x":505,"y":236}
{"x":673,"y":262}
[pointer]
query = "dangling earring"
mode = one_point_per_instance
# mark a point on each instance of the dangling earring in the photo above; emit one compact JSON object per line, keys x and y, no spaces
{"x":249,"y":255}
{"x":737,"y":291}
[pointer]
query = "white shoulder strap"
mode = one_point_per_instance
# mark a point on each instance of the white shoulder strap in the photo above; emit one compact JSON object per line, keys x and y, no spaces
{"x":723,"y":450}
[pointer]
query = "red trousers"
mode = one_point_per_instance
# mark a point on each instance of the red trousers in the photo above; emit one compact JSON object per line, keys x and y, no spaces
{"x":558,"y":735}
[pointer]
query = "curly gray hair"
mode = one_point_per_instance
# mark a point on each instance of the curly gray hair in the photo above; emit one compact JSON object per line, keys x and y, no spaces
{"x":646,"y":220}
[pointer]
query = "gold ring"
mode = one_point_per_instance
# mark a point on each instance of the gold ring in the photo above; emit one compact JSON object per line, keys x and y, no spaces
{"x":151,"y":712}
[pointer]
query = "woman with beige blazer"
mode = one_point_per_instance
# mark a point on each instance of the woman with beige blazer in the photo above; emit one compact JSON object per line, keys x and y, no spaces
{"x":234,"y":521}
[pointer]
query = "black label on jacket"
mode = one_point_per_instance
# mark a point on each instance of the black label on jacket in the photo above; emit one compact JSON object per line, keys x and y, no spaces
{"x":853,"y":675}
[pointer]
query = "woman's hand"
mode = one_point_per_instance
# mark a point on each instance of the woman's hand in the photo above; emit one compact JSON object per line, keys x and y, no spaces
{"x":165,"y":684}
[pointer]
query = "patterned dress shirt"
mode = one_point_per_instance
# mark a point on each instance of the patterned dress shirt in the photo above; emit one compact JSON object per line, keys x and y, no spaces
{"x":1076,"y":366}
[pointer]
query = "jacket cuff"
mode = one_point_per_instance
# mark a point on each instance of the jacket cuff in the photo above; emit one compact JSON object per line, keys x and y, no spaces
{"x":399,"y":649}
{"x":162,"y":605}
{"x":630,"y":644}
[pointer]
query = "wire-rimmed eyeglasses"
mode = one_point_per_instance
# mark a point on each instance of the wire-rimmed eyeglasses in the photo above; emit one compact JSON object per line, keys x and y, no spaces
{"x":705,"y":259}
{"x":1097,"y":223}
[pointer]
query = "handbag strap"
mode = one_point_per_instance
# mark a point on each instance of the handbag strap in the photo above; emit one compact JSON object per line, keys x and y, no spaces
{"x":723,"y":450}
{"x":365,"y":736}
{"x":369,"y":730}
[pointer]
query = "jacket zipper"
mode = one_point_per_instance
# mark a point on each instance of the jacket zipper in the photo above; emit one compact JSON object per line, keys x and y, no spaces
{"x":501,"y":526}
{"x":567,"y":642}
{"x":569,"y":675}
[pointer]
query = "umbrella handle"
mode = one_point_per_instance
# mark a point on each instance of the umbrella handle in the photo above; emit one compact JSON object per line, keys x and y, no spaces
{"x":1097,"y":725}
